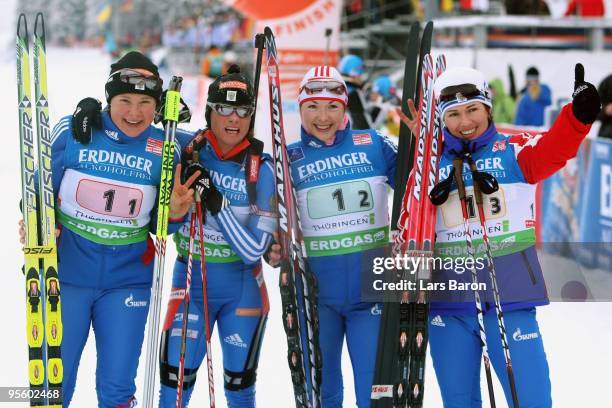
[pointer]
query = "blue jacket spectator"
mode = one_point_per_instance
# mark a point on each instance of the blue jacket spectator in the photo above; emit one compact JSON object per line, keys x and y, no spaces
{"x":535,"y":98}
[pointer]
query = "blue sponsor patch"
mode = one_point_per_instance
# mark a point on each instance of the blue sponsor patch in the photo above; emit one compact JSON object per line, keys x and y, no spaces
{"x":295,"y":154}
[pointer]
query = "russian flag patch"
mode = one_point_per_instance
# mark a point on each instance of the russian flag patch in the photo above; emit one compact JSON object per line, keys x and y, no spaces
{"x":362,"y":139}
{"x":154,"y":146}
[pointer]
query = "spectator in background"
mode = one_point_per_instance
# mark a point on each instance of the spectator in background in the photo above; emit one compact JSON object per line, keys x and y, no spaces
{"x":534,"y":99}
{"x":605,"y":116}
{"x":382,"y":104}
{"x":212,"y":63}
{"x":503,"y":104}
{"x":351,"y":68}
{"x":585,"y":8}
{"x":353,"y":9}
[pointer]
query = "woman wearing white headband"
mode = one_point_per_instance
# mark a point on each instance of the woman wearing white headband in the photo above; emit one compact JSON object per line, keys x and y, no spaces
{"x":517,"y":162}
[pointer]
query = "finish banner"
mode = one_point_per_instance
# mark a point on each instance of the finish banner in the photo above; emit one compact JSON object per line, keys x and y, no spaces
{"x":299,"y":27}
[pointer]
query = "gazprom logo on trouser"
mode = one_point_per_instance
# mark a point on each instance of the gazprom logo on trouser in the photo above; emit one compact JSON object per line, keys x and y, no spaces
{"x":518,"y":336}
{"x":130,"y":302}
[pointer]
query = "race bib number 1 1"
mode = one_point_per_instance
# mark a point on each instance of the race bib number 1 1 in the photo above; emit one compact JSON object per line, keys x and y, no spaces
{"x":109,"y":199}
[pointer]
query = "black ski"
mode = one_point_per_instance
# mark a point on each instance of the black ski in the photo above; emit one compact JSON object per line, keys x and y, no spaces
{"x":297,"y":282}
{"x":386,"y":372}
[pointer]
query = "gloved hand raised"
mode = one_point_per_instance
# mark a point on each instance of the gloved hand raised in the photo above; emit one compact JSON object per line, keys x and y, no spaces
{"x":586,"y":103}
{"x":184,"y":111}
{"x":86,"y":117}
{"x":212,"y":198}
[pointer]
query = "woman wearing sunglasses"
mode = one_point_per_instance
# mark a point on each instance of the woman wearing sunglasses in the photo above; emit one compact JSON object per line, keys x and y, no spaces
{"x":341,"y":177}
{"x":238,"y":229}
{"x":517,"y":162}
{"x":106,"y":191}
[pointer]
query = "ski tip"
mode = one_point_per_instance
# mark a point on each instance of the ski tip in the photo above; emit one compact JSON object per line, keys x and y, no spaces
{"x":22,"y":18}
{"x":268,"y":31}
{"x":39,"y":23}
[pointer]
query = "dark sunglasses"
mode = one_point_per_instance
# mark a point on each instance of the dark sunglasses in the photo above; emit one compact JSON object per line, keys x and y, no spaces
{"x":226,"y":110}
{"x":139,"y":80}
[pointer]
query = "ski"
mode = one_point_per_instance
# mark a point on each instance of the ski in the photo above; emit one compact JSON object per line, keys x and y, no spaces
{"x":44,"y":320}
{"x":386,"y":359}
{"x":171,"y":115}
{"x":386,"y":374}
{"x":296,"y":280}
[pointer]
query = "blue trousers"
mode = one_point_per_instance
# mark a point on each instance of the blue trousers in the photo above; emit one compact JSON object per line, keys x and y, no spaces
{"x":118,"y":318}
{"x":238,"y":307}
{"x":457,"y":354}
{"x":360,"y":323}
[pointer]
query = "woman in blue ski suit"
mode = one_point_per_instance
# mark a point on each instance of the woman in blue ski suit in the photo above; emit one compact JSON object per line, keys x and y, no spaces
{"x":106,"y":185}
{"x":518,"y":163}
{"x":238,"y":230}
{"x":341,"y":177}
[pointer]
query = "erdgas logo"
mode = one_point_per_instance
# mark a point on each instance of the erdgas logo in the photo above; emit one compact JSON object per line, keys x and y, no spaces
{"x":518,"y":336}
{"x":130,"y":302}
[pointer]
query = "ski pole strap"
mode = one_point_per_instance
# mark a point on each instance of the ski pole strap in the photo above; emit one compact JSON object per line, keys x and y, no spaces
{"x":457,"y":168}
{"x":252,"y":163}
{"x":474,"y":170}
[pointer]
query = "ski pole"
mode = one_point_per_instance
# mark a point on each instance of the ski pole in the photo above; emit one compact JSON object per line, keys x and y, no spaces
{"x":163,"y":209}
{"x":457,"y":168}
{"x":493,"y":278}
{"x":207,"y":328}
{"x":186,"y":302}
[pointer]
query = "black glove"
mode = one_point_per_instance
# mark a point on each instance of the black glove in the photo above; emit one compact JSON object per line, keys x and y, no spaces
{"x":212,"y":198}
{"x":266,"y":255}
{"x":184,"y":112}
{"x":586,"y":103}
{"x":85,"y":118}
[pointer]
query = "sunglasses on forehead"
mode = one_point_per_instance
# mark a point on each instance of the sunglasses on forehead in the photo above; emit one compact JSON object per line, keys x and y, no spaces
{"x":226,"y":110}
{"x":139,"y":80}
{"x":315,"y":87}
{"x":460,"y":93}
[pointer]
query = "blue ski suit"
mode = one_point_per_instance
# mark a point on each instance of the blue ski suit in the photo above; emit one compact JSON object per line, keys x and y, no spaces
{"x":106,"y":194}
{"x":517,"y":162}
{"x":342,"y":199}
{"x":235,"y":239}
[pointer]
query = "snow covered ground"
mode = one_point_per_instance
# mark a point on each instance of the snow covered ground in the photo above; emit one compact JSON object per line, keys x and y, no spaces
{"x":577,"y":336}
